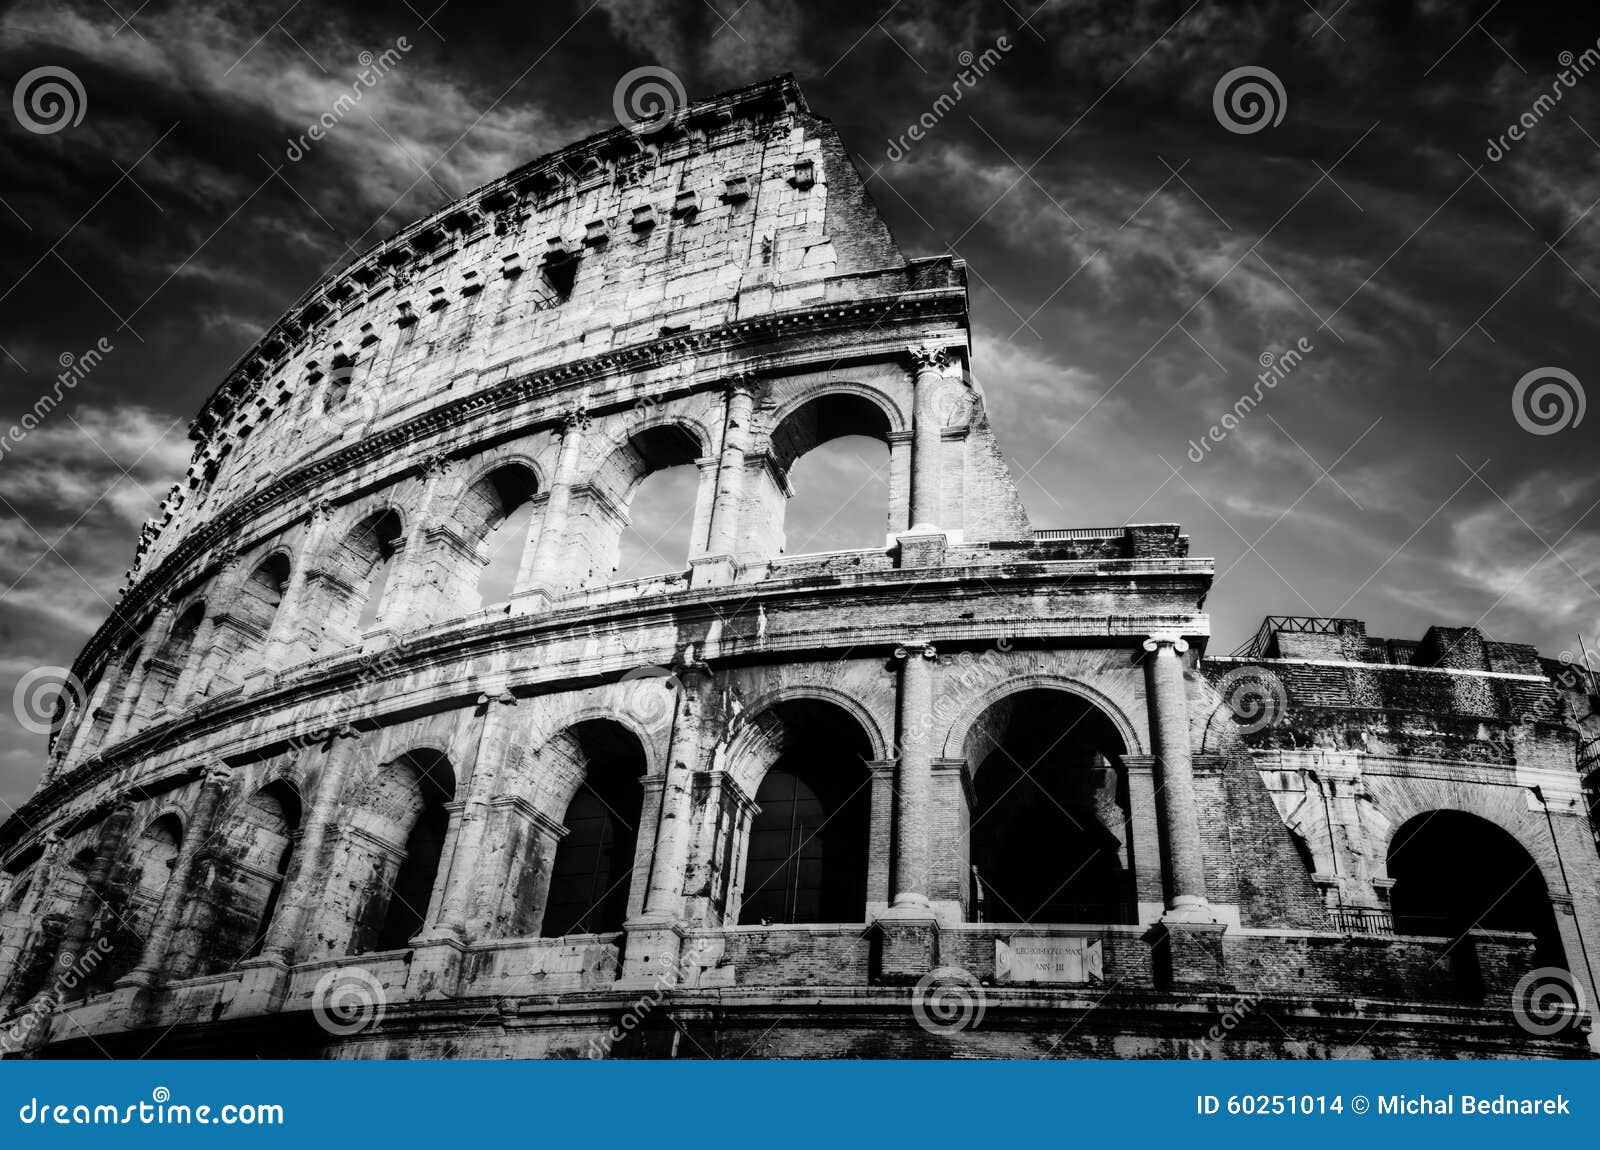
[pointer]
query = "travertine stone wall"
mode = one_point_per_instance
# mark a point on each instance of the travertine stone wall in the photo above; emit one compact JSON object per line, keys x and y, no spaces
{"x":308,"y":744}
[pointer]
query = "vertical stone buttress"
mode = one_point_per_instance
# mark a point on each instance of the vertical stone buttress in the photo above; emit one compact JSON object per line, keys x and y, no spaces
{"x":729,"y":500}
{"x":545,"y":568}
{"x":287,"y":623}
{"x":456,"y":902}
{"x":410,"y":603}
{"x":84,"y":915}
{"x":913,"y":844}
{"x":198,"y":832}
{"x":127,"y":708}
{"x":20,"y":927}
{"x":1169,"y":723}
{"x":928,"y":364}
{"x":308,"y":876}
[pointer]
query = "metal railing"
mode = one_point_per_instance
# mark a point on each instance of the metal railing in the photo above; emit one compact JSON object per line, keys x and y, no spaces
{"x":1360,"y":920}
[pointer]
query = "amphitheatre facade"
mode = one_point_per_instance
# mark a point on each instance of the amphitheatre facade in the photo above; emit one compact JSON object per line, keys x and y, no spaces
{"x":979,"y":790}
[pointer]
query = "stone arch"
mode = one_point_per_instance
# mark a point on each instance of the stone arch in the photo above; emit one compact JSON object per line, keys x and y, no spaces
{"x":818,"y":416}
{"x":350,"y":580}
{"x":586,"y":852}
{"x":894,"y":420}
{"x":499,"y":492}
{"x":1050,"y":832}
{"x":240,"y":631}
{"x":395,"y":824}
{"x":1455,"y":871}
{"x":801,"y":809}
{"x":961,"y":729}
{"x":240,"y":876}
{"x":1404,"y":806}
{"x":602,"y":507}
{"x":746,"y":739}
{"x":148,"y":871}
{"x":166,"y":668}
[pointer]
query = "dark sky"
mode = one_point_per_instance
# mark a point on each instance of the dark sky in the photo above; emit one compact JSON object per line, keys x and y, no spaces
{"x":1132,"y":260}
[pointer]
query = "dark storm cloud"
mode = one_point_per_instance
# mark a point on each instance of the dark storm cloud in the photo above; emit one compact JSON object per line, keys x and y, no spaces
{"x":1131,"y":259}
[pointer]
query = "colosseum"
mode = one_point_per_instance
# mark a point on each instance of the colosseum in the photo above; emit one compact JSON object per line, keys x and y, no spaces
{"x":979,"y":790}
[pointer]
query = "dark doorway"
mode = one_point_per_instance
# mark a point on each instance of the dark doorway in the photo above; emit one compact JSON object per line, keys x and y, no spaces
{"x":593,"y":870}
{"x":1049,"y":833}
{"x":807,"y":860}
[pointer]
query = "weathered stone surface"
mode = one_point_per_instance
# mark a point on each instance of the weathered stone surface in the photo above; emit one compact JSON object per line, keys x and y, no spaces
{"x":749,"y":807}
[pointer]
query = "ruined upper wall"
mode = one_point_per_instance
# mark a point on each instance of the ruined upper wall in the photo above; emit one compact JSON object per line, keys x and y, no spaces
{"x":744,"y":205}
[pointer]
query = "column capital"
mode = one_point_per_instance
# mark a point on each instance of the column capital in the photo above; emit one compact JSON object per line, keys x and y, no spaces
{"x":217,"y":774}
{"x":929,"y":356}
{"x":1162,"y":640}
{"x":438,"y":463}
{"x":916,"y":647}
{"x":575,"y":419}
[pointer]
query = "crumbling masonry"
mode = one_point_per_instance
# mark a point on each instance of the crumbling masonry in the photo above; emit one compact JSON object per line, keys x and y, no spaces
{"x":769,"y":804}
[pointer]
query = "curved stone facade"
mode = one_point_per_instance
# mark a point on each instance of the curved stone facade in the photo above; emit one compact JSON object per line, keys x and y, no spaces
{"x":323,"y":799}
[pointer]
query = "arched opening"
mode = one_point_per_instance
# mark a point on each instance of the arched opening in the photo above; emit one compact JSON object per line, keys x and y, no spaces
{"x":240,"y":637}
{"x":592,"y":874}
{"x":238,"y":893}
{"x":807,"y":854}
{"x":1454,"y":872}
{"x":394,"y":858}
{"x":359,"y":575}
{"x":166,"y":669}
{"x":660,"y":518}
{"x":834,"y":452}
{"x":263,"y":591}
{"x":150,"y":871}
{"x":1050,"y":833}
{"x":652,"y":483}
{"x":496,"y":514}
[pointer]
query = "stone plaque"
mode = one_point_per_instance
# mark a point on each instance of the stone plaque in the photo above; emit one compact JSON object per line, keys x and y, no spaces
{"x":1040,"y":958}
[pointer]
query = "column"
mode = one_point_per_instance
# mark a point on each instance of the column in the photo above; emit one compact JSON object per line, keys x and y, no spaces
{"x":1169,"y":725}
{"x":14,"y":937}
{"x":542,"y":571}
{"x":189,"y":673}
{"x":740,"y":407}
{"x":160,"y":624}
{"x":97,"y":702}
{"x":112,"y":836}
{"x":664,"y":893}
{"x":928,"y":363}
{"x":286,"y":621}
{"x":408,"y":603}
{"x":176,"y":897}
{"x":456,"y":900}
{"x":913,"y":853}
{"x":305,"y":882}
{"x":880,"y":836}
